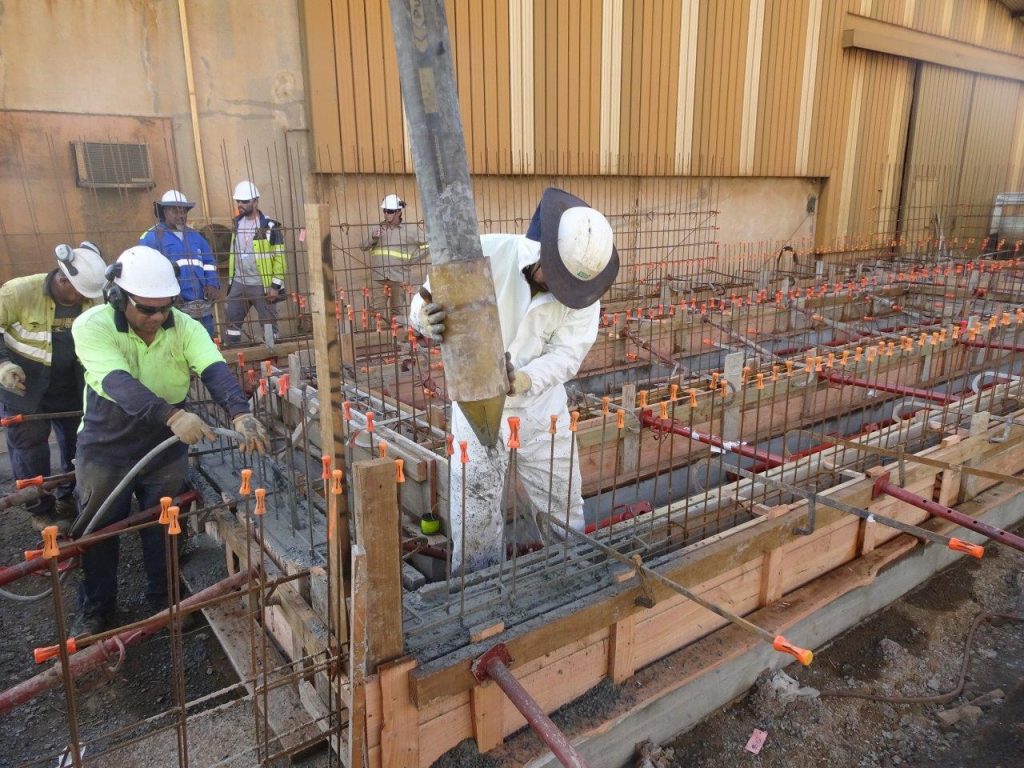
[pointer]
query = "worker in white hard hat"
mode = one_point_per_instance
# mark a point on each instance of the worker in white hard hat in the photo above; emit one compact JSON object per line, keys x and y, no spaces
{"x":256,"y":265}
{"x":140,"y":353}
{"x":548,"y":286}
{"x":190,"y":253}
{"x":394,"y":249}
{"x":39,"y":373}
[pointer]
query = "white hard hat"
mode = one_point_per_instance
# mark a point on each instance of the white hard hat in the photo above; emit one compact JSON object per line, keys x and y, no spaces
{"x":246,"y":190}
{"x":577,"y":249}
{"x":83,"y":267}
{"x":392,"y":203}
{"x":174,"y":199}
{"x":145,"y":272}
{"x":584,"y":242}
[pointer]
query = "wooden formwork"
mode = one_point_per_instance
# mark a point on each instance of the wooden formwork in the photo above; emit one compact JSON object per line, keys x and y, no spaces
{"x":611,"y":636}
{"x":406,"y":713}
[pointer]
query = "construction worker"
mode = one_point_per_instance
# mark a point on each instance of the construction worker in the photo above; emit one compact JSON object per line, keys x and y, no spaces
{"x":139,"y":354}
{"x":547,"y":285}
{"x":189,"y":251}
{"x":394,"y":248}
{"x":256,"y":263}
{"x":39,"y":373}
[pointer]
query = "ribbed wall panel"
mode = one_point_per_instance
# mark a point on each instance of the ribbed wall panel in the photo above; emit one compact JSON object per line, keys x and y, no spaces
{"x":761,"y":88}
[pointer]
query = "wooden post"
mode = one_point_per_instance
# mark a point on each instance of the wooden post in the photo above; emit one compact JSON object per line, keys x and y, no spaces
{"x":376,"y":513}
{"x":400,"y":729}
{"x":621,"y":662}
{"x":771,"y":565}
{"x":357,"y":752}
{"x":487,"y":703}
{"x":328,"y":374}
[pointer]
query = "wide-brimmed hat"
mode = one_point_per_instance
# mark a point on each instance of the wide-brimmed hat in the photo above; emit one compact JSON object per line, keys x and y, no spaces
{"x":577,"y":252}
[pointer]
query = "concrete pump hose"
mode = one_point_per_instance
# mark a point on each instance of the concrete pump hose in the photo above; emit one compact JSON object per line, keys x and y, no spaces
{"x":94,"y":522}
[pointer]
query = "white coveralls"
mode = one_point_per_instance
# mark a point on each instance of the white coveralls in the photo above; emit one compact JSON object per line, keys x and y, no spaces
{"x":548,"y":342}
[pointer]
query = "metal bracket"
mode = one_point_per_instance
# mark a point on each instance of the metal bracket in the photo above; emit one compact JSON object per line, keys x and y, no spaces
{"x":479,"y":666}
{"x":646,"y":597}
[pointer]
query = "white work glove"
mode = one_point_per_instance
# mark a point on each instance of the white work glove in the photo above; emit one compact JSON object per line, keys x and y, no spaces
{"x":253,"y":436}
{"x":12,"y":377}
{"x":189,"y":428}
{"x":518,"y":381}
{"x":430,"y":321}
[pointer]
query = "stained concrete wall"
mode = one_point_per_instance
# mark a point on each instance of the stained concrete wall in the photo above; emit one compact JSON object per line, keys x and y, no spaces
{"x":91,"y":59}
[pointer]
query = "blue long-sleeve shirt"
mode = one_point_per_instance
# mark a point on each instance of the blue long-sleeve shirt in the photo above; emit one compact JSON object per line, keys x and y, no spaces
{"x":197,"y":267}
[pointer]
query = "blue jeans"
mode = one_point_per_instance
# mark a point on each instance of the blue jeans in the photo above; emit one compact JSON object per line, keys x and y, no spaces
{"x":29,"y":448}
{"x":98,"y":592}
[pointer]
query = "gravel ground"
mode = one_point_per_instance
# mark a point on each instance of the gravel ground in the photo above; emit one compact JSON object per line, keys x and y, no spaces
{"x":35,"y":732}
{"x":913,"y":648}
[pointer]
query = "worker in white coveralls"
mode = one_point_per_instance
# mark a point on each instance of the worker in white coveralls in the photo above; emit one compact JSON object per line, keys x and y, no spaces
{"x":548,"y":286}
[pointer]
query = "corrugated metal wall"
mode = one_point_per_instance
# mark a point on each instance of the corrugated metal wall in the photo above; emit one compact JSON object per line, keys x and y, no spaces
{"x":758,"y":88}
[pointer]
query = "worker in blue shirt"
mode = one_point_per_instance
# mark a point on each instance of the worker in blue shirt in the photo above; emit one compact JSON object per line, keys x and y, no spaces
{"x":139,"y":354}
{"x":189,"y":251}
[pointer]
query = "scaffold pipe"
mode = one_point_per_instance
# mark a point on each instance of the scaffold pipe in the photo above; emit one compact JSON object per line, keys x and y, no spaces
{"x":740,"y":448}
{"x":836,"y":377}
{"x":111,"y":647}
{"x":491,"y":666}
{"x":883,"y":485}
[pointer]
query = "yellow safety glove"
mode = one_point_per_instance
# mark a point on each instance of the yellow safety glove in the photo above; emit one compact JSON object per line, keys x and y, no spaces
{"x":253,"y":436}
{"x":12,"y":377}
{"x":189,"y":428}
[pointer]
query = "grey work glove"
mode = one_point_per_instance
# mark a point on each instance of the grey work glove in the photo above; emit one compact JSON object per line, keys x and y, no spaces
{"x":430,"y":321}
{"x":189,"y":428}
{"x":253,"y":436}
{"x":12,"y":377}
{"x":518,"y":381}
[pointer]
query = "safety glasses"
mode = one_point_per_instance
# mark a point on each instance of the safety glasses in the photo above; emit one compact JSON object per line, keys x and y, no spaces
{"x":150,"y":311}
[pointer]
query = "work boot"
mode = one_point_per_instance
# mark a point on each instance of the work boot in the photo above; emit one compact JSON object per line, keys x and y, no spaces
{"x":54,"y":516}
{"x":88,"y":624}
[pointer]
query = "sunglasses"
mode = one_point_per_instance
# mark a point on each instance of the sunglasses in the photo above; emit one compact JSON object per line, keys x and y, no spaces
{"x":150,"y":311}
{"x":242,"y":202}
{"x":388,"y":211}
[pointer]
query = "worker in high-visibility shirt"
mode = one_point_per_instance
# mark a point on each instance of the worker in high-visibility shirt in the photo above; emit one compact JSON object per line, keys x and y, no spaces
{"x":547,"y":285}
{"x":394,"y":249}
{"x":39,"y":373}
{"x":139,"y":355}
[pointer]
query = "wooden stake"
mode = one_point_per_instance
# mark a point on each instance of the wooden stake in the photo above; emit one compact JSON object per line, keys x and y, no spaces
{"x":400,"y":730}
{"x":377,"y":526}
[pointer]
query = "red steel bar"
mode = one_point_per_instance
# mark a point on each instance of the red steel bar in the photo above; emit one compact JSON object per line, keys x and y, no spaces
{"x":990,"y":345}
{"x":925,"y":394}
{"x":110,"y":648}
{"x":35,"y":563}
{"x":491,"y":666}
{"x":648,"y":419}
{"x":882,"y":485}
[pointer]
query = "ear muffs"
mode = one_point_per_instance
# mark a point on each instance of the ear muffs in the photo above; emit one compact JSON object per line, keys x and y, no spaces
{"x":112,"y":291}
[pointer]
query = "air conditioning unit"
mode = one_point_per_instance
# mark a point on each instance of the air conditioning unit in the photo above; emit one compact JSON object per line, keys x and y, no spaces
{"x":104,"y":165}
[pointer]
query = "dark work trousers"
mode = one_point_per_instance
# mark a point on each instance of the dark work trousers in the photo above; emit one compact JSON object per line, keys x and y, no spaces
{"x":98,"y":592}
{"x":29,"y":448}
{"x":240,"y":298}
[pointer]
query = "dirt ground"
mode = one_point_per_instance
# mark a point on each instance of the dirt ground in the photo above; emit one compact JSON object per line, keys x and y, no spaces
{"x":35,"y":733}
{"x":913,"y":648}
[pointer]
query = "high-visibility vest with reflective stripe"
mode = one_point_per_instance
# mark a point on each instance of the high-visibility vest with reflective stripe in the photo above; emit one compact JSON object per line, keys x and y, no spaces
{"x":267,"y":247}
{"x":27,"y":313}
